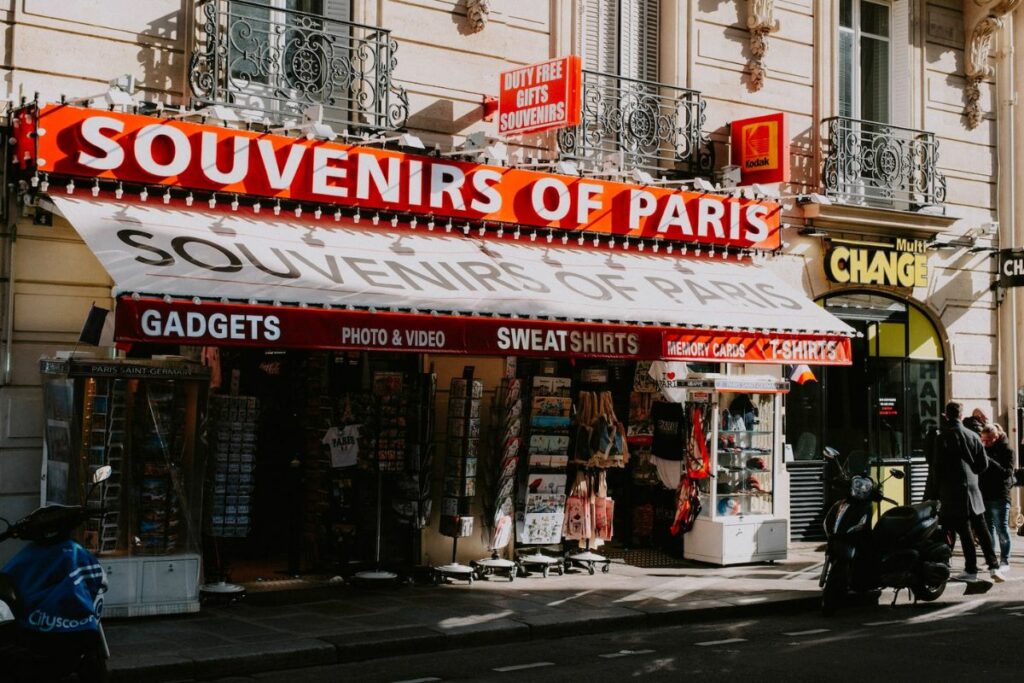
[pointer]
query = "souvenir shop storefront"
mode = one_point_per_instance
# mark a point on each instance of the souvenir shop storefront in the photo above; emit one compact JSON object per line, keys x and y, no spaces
{"x":340,"y":361}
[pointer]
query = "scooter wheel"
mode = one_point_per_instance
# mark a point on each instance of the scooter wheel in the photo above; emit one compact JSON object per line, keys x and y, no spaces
{"x":926,"y":593}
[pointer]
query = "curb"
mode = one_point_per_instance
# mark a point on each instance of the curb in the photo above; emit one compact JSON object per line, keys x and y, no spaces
{"x":241,"y":660}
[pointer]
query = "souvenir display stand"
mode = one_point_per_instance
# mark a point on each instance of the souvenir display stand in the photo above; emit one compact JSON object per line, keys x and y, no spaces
{"x":540,"y":512}
{"x":507,"y":419}
{"x":388,"y":455}
{"x":460,"y":471}
{"x":232,"y":441}
{"x":141,"y":418}
{"x":740,"y":522}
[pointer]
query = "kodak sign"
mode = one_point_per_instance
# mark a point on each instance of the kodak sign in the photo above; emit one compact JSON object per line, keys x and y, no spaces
{"x":760,"y":147}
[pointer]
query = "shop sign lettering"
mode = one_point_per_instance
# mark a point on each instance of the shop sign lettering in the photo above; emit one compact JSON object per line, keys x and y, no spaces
{"x":141,"y":149}
{"x":540,"y":97}
{"x":309,"y":328}
{"x":1011,"y":268}
{"x":905,"y":264}
{"x":513,"y":339}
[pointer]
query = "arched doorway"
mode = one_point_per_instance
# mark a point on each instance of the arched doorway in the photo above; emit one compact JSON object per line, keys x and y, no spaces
{"x":878,"y":409}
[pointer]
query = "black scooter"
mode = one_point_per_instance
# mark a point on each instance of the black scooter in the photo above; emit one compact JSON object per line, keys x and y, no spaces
{"x":39,"y":641}
{"x":901,"y":551}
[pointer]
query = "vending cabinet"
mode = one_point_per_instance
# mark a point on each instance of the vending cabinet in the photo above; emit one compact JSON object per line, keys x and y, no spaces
{"x":740,"y":520}
{"x":143,"y":418}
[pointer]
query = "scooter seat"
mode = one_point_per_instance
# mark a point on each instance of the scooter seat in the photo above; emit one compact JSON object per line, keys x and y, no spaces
{"x":900,"y":521}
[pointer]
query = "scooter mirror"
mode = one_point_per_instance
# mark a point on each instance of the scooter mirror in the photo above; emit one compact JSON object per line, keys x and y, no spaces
{"x":830,"y":453}
{"x":101,"y":474}
{"x":896,"y":474}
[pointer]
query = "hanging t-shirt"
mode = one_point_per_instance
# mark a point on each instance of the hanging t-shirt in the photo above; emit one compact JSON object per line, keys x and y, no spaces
{"x":668,"y":421}
{"x":344,"y":445}
{"x":667,"y":375}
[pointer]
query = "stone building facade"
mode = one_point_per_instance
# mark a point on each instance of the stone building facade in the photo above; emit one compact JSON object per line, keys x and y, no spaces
{"x":928,"y":85}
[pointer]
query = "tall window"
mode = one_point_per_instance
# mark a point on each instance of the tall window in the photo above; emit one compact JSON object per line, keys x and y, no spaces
{"x":865,"y":59}
{"x":621,"y":38}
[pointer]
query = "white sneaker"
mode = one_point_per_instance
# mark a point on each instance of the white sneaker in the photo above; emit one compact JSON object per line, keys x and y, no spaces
{"x":1004,"y":568}
{"x":997,"y":575}
{"x":969,"y":577}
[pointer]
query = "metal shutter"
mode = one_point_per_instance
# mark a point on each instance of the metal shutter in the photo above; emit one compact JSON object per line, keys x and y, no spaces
{"x":599,"y":44}
{"x":806,"y":500}
{"x":638,"y":36}
{"x":901,"y":83}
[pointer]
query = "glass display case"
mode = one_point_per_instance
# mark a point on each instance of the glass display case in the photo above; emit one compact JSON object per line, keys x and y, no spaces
{"x":740,"y":520}
{"x":143,"y":419}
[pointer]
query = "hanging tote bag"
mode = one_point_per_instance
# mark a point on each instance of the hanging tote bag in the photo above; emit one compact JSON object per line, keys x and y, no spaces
{"x":578,"y":523}
{"x":604,"y":510}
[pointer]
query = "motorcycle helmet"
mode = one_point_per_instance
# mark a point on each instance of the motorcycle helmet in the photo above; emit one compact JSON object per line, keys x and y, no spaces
{"x":753,"y":484}
{"x":756,"y":463}
{"x":728,"y":507}
{"x":723,"y":488}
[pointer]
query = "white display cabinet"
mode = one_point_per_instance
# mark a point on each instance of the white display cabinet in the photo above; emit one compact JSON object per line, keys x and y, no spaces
{"x":740,"y":520}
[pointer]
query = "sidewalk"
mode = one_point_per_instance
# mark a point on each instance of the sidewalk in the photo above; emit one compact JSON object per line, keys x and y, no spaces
{"x":357,"y":623}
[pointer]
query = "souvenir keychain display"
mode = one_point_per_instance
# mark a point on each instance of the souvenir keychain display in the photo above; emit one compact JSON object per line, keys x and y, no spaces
{"x":541,"y":511}
{"x":460,"y":470}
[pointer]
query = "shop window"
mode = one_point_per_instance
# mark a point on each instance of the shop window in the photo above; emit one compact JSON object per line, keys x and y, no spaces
{"x":924,"y":339}
{"x":884,"y":404}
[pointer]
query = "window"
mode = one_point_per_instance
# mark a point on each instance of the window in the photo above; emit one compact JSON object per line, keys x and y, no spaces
{"x":281,"y":53}
{"x":621,"y":38}
{"x":864,"y":60}
{"x":874,"y":67}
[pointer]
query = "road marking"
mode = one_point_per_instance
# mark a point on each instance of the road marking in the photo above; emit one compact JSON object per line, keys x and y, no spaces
{"x":429,"y":679}
{"x":747,"y":601}
{"x":883,"y":623}
{"x":811,"y":632}
{"x":1015,"y":607}
{"x":727,"y":641}
{"x":571,"y":597}
{"x":956,"y":610}
{"x":625,"y":653}
{"x":521,"y":667}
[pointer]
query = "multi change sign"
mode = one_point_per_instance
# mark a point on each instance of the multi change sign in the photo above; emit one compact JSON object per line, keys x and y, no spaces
{"x":903,"y":264}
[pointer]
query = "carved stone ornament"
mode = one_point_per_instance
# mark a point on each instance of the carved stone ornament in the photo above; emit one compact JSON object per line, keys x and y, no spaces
{"x":982,"y":20}
{"x":760,"y":22}
{"x":477,"y":14}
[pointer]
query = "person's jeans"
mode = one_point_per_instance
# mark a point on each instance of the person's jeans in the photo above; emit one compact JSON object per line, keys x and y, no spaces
{"x":997,"y":517}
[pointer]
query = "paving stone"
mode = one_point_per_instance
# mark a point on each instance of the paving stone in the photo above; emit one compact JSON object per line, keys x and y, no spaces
{"x":580,"y":622}
{"x":235,"y":660}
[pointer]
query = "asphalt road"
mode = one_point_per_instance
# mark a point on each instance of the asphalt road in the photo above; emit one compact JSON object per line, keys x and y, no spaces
{"x":959,"y":637}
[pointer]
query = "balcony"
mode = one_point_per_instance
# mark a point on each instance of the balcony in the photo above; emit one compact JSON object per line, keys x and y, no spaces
{"x":271,"y":63}
{"x":882,"y":166}
{"x":642,"y":125}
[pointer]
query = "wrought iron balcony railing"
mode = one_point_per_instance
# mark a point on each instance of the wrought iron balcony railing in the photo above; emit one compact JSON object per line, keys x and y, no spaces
{"x":654,"y":127}
{"x":877,"y":164}
{"x":273,"y":63}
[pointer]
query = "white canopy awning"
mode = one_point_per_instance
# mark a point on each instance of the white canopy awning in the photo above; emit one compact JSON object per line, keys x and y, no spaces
{"x":241,"y":256}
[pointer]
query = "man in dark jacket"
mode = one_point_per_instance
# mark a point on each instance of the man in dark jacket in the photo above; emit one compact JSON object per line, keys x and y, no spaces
{"x":995,"y":484}
{"x":958,"y":459}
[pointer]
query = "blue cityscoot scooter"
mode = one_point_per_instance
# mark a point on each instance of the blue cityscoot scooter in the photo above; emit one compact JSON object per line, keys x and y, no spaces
{"x":51,"y":596}
{"x":900,"y":551}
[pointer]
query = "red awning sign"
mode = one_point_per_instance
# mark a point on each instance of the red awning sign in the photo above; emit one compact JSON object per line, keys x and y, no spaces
{"x":149,"y":320}
{"x":158,"y":152}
